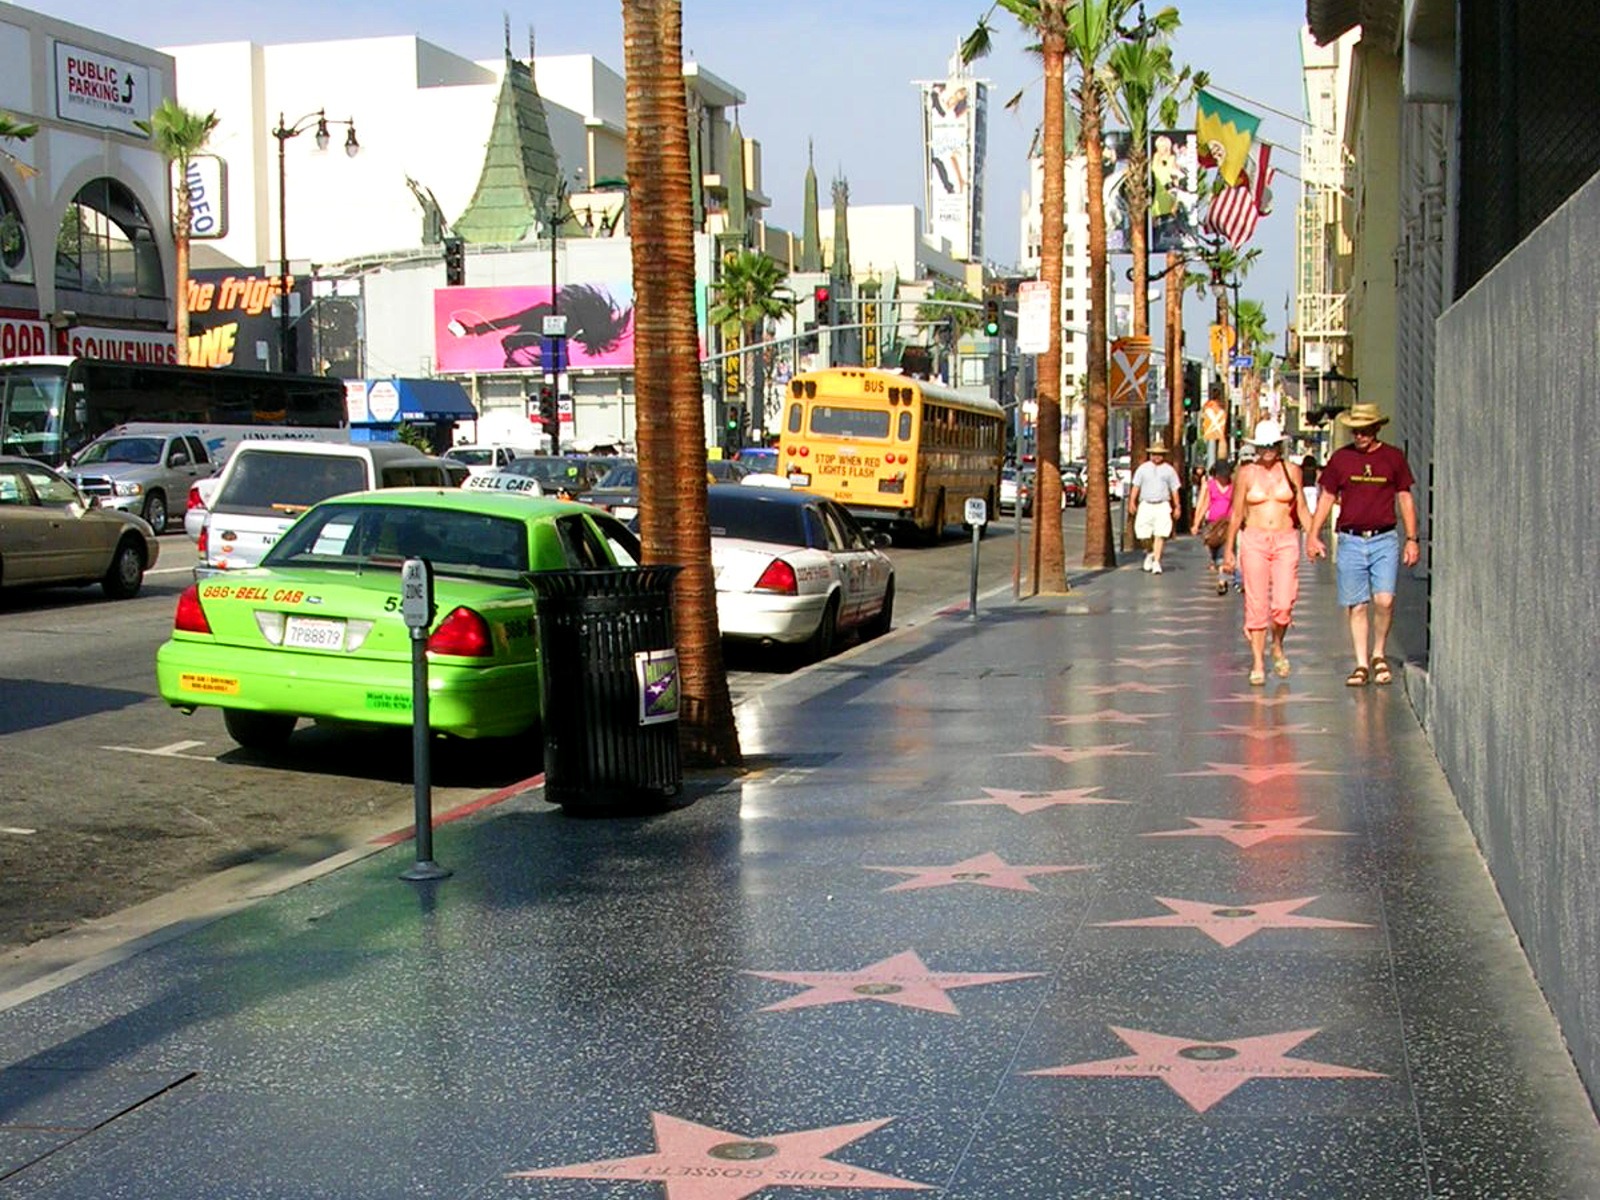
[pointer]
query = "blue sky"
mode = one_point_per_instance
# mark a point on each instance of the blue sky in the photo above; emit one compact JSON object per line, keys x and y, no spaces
{"x":836,"y":71}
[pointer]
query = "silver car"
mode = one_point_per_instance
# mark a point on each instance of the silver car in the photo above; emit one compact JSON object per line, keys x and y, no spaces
{"x":50,"y":533}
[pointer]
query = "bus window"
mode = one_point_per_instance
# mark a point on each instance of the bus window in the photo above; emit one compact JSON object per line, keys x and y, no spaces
{"x":828,"y":420}
{"x":794,"y":418}
{"x":904,"y":431}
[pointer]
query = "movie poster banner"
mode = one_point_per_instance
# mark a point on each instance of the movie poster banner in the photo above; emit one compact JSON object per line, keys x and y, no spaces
{"x":480,"y":329}
{"x":950,"y":115}
{"x":1174,"y":192}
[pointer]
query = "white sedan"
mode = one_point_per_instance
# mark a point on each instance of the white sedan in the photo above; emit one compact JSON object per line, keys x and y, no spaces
{"x":796,"y":569}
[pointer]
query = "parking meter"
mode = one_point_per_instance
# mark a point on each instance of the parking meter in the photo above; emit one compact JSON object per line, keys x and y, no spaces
{"x":416,"y":610}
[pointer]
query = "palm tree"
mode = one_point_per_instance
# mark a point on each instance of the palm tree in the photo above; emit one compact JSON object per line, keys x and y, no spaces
{"x":178,"y":134}
{"x":949,"y":312}
{"x":671,"y":410}
{"x":1254,"y":337}
{"x":1049,"y":20}
{"x":746,"y":298}
{"x":12,"y":130}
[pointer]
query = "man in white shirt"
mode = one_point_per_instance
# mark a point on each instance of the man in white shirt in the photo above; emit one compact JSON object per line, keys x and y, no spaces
{"x":1156,"y":501}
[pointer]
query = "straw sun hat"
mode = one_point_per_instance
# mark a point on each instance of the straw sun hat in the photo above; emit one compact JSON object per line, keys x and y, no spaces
{"x":1363,"y":416}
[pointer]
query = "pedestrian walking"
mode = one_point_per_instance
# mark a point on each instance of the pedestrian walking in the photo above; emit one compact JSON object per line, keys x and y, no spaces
{"x":1157,"y":500}
{"x":1212,"y":509}
{"x":1370,"y":480}
{"x":1309,"y":469}
{"x":1269,"y":510}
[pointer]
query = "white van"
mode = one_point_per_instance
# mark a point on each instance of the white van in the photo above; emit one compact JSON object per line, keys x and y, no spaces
{"x":267,"y":485}
{"x":485,"y":460}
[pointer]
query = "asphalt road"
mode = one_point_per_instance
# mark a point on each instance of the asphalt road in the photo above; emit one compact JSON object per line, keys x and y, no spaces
{"x":108,"y":797}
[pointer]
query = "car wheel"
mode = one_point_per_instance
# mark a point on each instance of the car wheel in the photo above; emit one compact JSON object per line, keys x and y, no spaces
{"x":124,"y":577}
{"x":884,"y":621}
{"x":258,"y":731}
{"x":820,"y":645}
{"x":155,"y":512}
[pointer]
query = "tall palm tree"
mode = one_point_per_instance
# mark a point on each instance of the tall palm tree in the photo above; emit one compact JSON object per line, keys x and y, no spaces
{"x":1049,"y":21}
{"x":1254,"y":338}
{"x":671,"y":410}
{"x":746,"y":298}
{"x":179,"y":134}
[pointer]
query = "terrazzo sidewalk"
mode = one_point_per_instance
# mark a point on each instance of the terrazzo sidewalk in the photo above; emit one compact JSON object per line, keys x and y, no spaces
{"x":1047,"y":904}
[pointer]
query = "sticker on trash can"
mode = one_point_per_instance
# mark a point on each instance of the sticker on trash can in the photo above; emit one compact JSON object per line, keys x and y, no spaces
{"x":658,"y":685}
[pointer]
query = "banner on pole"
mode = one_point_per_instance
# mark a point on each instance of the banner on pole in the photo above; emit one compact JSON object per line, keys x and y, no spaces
{"x":1130,"y":371}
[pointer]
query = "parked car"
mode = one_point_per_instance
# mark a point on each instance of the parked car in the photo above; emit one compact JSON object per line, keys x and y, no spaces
{"x":1007,"y":501}
{"x":1074,"y":492}
{"x":1025,"y":482}
{"x":481,"y":460}
{"x":315,"y":631}
{"x":728,"y":471}
{"x":51,"y":533}
{"x":148,"y":474}
{"x":796,"y":569}
{"x":758,"y":459}
{"x":266,"y":485}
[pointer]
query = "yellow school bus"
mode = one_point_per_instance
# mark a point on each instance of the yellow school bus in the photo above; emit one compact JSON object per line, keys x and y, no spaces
{"x":893,"y":450}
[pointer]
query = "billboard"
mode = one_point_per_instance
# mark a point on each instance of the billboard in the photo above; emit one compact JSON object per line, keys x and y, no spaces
{"x":100,"y":89}
{"x":1174,"y":191}
{"x":954,"y":123}
{"x":234,"y":321}
{"x":477,"y":329}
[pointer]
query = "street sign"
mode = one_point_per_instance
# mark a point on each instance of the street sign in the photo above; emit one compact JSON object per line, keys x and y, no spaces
{"x":555,"y":326}
{"x":977,"y":511}
{"x":416,"y":593}
{"x":1244,"y":361}
{"x":1033,"y":317}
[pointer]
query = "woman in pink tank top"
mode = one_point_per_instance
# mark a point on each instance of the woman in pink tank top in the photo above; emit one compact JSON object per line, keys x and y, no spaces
{"x":1212,"y":516}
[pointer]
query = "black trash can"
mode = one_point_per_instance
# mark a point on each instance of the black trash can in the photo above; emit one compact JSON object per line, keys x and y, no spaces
{"x":609,"y":687}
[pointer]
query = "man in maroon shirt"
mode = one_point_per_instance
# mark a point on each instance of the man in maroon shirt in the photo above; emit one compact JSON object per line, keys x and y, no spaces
{"x":1369,"y":480}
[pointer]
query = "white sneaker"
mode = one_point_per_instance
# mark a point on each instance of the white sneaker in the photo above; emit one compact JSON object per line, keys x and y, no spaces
{"x":1149,"y":561}
{"x":1155,"y":568}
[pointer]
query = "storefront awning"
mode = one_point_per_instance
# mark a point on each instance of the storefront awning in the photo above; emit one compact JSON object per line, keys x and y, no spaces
{"x":390,"y":401}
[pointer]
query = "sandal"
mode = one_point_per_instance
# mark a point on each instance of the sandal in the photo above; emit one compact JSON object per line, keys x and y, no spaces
{"x":1280,"y":666}
{"x":1258,"y":678}
{"x":1357,"y":677}
{"x":1380,"y":670}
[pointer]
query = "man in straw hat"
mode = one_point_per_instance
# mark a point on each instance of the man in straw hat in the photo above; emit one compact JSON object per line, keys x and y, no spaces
{"x":1370,"y":480}
{"x":1156,"y":496}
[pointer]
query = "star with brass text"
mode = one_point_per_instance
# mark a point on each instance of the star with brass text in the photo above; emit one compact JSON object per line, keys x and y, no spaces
{"x":1031,"y":802}
{"x":984,"y":870}
{"x":1067,"y":755}
{"x":1230,"y":924}
{"x":1249,"y":833}
{"x":901,"y":979}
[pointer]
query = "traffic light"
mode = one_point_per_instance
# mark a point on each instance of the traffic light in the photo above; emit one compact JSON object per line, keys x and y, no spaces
{"x":808,"y":340}
{"x":824,"y":300}
{"x":1191,"y":386}
{"x":991,"y":318}
{"x":733,"y":426}
{"x":455,"y":262}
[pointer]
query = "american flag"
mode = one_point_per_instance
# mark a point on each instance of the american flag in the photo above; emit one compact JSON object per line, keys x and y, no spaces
{"x":1234,"y":211}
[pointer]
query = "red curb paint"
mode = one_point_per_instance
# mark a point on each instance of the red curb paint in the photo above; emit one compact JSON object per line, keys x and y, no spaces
{"x":464,"y":810}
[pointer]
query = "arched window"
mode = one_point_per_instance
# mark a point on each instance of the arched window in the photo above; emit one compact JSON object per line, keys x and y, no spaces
{"x":106,"y":244}
{"x":16,"y":265}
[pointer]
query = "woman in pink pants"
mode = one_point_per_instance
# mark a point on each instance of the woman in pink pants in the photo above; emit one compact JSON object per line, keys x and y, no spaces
{"x":1270,"y":505}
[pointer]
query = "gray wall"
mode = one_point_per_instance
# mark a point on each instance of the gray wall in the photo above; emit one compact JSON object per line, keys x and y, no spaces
{"x":1514,"y":685}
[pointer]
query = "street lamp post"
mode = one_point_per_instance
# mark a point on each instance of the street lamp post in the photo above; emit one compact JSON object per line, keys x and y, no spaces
{"x":288,"y":355}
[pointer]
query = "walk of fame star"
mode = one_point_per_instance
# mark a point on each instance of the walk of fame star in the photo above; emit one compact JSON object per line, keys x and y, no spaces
{"x":1261,"y":701}
{"x":1150,"y":664}
{"x":1249,"y":833}
{"x":1255,"y":774}
{"x":1230,"y":924}
{"x":1106,"y":716}
{"x":984,"y":870}
{"x":1030,"y":802}
{"x":701,"y":1162}
{"x":1067,"y":755}
{"x":1264,"y":734}
{"x":901,"y":979}
{"x":1152,"y":689}
{"x":1202,"y":1072}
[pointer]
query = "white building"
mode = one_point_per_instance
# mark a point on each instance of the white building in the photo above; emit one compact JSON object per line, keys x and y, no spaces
{"x":1074,"y":287}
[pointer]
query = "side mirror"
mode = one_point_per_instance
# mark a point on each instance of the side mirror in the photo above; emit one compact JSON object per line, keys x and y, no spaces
{"x":881,"y":541}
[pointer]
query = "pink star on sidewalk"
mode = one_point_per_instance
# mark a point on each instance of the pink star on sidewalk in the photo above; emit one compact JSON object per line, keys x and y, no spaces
{"x":701,"y":1162}
{"x":1253,"y":774}
{"x":1261,"y":701}
{"x":1107,"y":716}
{"x":1203,"y":1073}
{"x":902,"y":979}
{"x":1031,"y":802}
{"x":1230,"y":924}
{"x":985,"y":870}
{"x":1068,"y":755}
{"x":1245,"y":834}
{"x":1263,"y":735}
{"x":1149,"y":664}
{"x":1151,"y":689}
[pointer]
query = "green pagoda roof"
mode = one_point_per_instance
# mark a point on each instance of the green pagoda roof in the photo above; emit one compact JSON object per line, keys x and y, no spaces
{"x":519,"y":166}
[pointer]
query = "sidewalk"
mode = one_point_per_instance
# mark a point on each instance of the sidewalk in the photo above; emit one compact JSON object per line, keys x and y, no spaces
{"x":1050,"y":904}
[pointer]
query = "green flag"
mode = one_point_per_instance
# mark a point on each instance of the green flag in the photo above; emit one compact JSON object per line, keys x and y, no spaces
{"x":1224,"y":133}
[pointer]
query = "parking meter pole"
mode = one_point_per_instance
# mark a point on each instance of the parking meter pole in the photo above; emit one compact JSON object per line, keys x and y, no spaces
{"x":972,"y":596}
{"x":977,"y":516}
{"x":1016,"y":545}
{"x":416,"y":609}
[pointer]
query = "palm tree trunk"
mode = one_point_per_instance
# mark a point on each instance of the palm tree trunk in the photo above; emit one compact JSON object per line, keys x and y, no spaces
{"x":181,"y":283}
{"x":1139,"y":242}
{"x":667,"y":371}
{"x":1173,"y":328}
{"x":1049,"y":553}
{"x":1098,"y":550}
{"x":1223,"y":319}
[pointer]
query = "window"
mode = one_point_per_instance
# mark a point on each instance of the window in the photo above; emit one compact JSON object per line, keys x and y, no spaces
{"x":16,"y":265}
{"x":624,"y":545}
{"x":581,"y":545}
{"x":838,"y":536}
{"x":794,"y":418}
{"x":904,"y":432}
{"x":831,"y":420}
{"x":106,"y":244}
{"x":49,"y":488}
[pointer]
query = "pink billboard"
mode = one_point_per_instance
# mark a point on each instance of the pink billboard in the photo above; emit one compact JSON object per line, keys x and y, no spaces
{"x":502,"y":328}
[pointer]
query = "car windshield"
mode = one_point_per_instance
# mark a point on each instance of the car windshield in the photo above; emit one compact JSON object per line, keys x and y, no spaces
{"x":472,"y":457}
{"x":265,"y":482}
{"x":122,"y":450}
{"x":351,"y":535}
{"x":756,"y":518}
{"x":552,"y":472}
{"x":623,"y":475}
{"x":724,"y":471}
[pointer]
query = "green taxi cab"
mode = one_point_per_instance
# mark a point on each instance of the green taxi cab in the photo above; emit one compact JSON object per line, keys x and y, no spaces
{"x":316,"y":630}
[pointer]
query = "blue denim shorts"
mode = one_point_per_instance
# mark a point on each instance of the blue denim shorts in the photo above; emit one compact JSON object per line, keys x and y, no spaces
{"x":1367,"y":566}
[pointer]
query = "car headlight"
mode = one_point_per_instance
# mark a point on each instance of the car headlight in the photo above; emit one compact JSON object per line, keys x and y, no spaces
{"x":122,"y":488}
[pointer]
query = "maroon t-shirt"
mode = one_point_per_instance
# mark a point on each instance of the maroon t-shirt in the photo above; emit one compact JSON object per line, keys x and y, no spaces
{"x":1366,"y":484}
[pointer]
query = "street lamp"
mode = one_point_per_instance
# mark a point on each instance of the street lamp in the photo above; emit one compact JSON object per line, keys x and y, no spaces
{"x":287,"y":351}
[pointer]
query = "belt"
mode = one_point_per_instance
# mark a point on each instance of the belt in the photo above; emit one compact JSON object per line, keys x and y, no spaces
{"x":1366,"y":533}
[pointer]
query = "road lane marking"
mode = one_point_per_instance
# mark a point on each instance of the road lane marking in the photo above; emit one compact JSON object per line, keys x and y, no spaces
{"x":175,"y":750}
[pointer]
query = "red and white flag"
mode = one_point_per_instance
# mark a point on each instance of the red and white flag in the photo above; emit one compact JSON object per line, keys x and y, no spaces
{"x":1234,"y":211}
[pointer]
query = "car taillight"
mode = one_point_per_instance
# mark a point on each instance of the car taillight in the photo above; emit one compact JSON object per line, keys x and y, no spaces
{"x":190,"y":617}
{"x":778,"y":577}
{"x":463,"y":634}
{"x":194,"y":496}
{"x":203,"y":541}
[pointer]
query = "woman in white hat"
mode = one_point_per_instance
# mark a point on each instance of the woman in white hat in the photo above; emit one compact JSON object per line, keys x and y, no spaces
{"x":1270,"y":505}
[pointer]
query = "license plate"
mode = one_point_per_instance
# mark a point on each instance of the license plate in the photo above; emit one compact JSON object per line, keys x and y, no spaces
{"x":313,"y":633}
{"x":799,"y":479}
